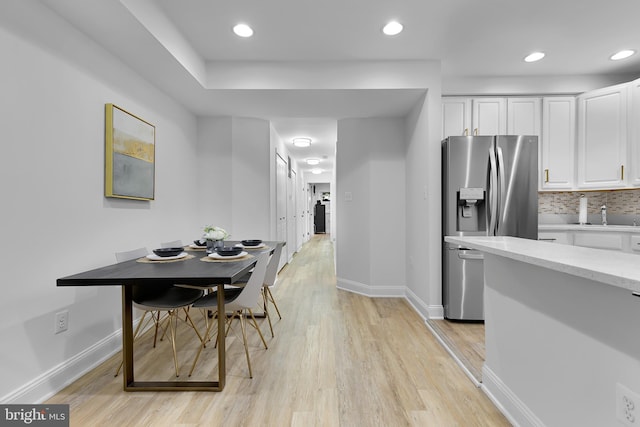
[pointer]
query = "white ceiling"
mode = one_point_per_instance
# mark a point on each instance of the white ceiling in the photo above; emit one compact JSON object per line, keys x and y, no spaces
{"x":470,"y":37}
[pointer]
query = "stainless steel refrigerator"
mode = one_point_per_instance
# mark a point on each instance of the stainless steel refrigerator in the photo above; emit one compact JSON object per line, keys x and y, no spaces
{"x":489,"y":187}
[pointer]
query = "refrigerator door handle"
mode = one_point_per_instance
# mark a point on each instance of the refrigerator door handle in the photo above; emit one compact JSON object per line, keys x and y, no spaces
{"x":493,"y":195}
{"x":502,"y":195}
{"x":464,"y":253}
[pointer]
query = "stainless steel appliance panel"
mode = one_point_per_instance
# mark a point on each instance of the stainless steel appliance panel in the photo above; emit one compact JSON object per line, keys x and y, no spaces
{"x":489,"y":187}
{"x":463,"y":298}
{"x":516,"y":160}
{"x":465,"y":165}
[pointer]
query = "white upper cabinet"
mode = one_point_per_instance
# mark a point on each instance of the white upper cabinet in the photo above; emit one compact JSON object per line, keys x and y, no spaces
{"x":557,"y":148}
{"x":634,"y":133}
{"x":602,"y":138}
{"x":523,"y":116}
{"x":473,"y":116}
{"x":489,"y":116}
{"x":456,"y":117}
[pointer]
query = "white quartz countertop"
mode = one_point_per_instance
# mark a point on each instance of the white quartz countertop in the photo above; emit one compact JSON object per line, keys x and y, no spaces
{"x":593,"y":227}
{"x":611,"y":267}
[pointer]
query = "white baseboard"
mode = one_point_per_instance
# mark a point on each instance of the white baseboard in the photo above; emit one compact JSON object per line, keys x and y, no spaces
{"x":425,"y":311}
{"x":514,"y":409}
{"x":370,"y":291}
{"x":49,"y":383}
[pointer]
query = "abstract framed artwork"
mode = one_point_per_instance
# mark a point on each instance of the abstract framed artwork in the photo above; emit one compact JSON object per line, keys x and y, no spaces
{"x":129,"y":155}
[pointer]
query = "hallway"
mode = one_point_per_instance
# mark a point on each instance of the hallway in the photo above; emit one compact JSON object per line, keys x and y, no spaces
{"x":337,"y":359}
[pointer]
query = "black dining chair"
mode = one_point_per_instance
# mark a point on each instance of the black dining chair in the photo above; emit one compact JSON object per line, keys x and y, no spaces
{"x":157,"y":299}
{"x":239,"y":302}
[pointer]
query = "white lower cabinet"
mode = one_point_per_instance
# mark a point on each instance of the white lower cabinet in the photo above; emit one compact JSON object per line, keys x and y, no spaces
{"x":563,"y":237}
{"x":609,"y":240}
{"x":599,"y":240}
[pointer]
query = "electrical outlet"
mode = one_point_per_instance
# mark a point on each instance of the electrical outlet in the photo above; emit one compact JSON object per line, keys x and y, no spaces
{"x":61,"y":322}
{"x":627,"y":409}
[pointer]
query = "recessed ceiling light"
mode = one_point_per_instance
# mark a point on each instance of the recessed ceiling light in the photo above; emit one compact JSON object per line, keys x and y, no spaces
{"x":533,"y":57}
{"x":392,"y":28}
{"x":302,"y":142}
{"x":243,"y":30}
{"x":316,"y":171}
{"x":623,"y":54}
{"x":313,"y":161}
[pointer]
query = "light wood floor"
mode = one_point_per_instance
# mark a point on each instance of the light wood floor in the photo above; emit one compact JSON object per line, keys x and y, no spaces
{"x":465,"y":340}
{"x":337,"y":359}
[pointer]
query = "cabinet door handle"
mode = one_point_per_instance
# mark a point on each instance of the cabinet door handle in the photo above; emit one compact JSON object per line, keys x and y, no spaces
{"x":635,"y":294}
{"x":622,"y":172}
{"x":475,"y":132}
{"x":546,"y":175}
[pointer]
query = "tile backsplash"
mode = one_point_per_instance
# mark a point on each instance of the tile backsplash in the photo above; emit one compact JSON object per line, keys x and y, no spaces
{"x":619,"y":202}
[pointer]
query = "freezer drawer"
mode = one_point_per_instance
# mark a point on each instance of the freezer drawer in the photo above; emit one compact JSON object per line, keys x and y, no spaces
{"x":463,"y":284}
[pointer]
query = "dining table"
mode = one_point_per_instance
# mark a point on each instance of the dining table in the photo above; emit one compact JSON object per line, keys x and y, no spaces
{"x":197,"y":269}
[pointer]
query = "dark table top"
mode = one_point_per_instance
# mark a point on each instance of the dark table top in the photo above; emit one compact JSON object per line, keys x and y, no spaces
{"x":189,"y":272}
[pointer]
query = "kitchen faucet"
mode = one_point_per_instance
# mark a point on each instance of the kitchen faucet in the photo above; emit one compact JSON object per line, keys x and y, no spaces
{"x":603,"y":210}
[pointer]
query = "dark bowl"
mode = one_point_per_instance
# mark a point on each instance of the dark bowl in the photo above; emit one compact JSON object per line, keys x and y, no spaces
{"x":166,"y":252}
{"x":228,"y":250}
{"x":202,"y":243}
{"x":251,"y":242}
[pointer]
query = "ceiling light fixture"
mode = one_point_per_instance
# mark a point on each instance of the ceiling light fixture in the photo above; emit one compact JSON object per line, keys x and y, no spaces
{"x":533,"y":57}
{"x":313,"y":162}
{"x":392,"y":28}
{"x":243,"y":30}
{"x":316,"y":171}
{"x":302,"y":142}
{"x":623,"y":54}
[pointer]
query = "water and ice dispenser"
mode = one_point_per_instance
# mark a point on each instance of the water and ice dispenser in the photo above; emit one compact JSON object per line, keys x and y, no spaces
{"x":471,"y":214}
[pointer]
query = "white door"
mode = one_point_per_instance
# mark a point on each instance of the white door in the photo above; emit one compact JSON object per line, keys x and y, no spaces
{"x":310,"y":202}
{"x":292,"y":217}
{"x":557,"y":148}
{"x":281,"y":201}
{"x":489,"y":116}
{"x":602,"y":137}
{"x":301,"y":207}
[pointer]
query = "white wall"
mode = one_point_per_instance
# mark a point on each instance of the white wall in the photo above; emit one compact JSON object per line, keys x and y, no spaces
{"x":251,"y":190}
{"x":423,"y":212}
{"x":233,"y":159}
{"x":55,"y":220}
{"x":215,"y":154}
{"x":370,"y":166}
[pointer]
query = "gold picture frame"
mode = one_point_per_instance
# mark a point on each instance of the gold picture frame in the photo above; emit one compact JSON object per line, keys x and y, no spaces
{"x":129,"y":155}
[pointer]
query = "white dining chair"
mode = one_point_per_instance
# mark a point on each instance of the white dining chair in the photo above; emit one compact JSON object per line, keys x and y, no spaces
{"x":269,"y":281}
{"x":156,"y":299}
{"x":238,"y":301}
